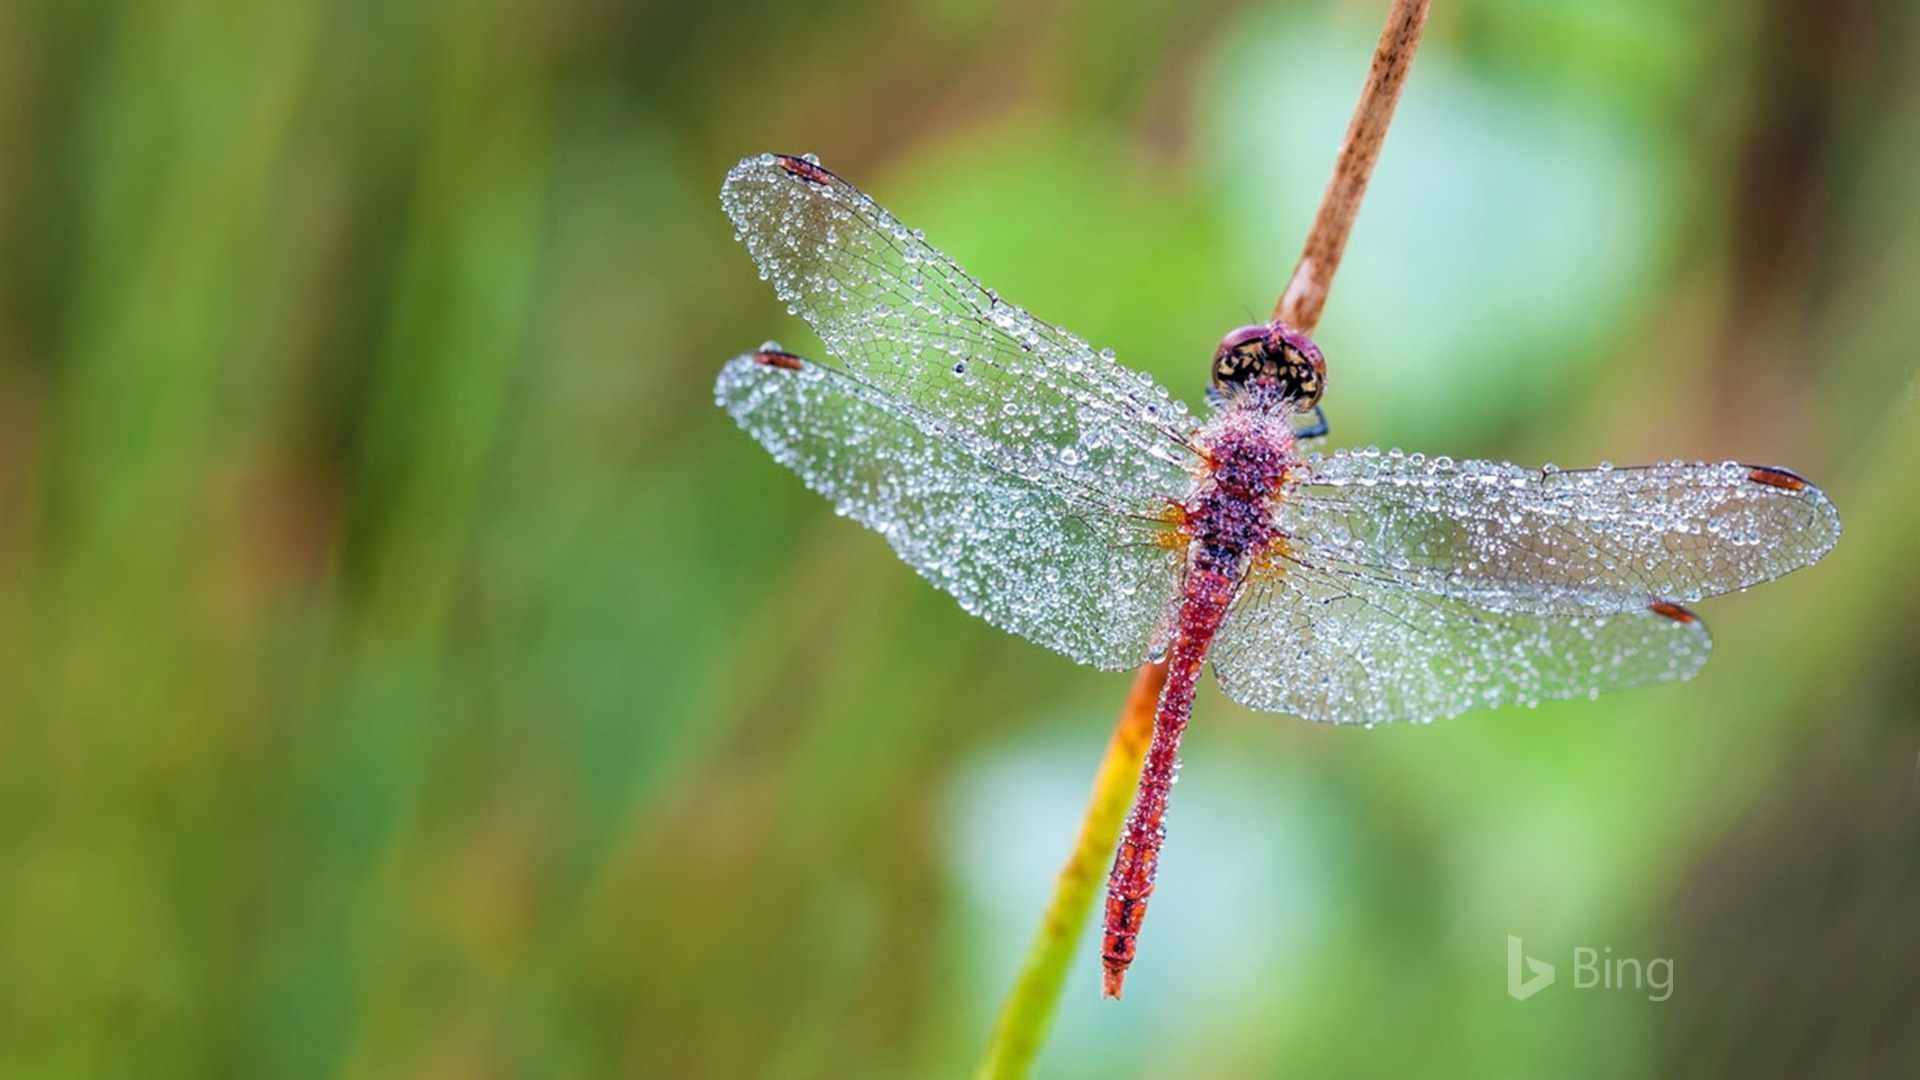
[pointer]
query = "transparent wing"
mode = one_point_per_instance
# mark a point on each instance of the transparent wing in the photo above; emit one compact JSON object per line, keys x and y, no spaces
{"x":1346,"y":648}
{"x":1556,"y":542}
{"x":900,"y":316}
{"x":1082,"y":575}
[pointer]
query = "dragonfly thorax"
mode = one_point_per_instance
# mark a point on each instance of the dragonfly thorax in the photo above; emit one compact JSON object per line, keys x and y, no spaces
{"x":1230,"y":514}
{"x":1273,"y":362}
{"x":1248,"y":451}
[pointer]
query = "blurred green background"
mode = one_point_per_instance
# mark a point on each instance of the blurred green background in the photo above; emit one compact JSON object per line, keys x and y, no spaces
{"x":405,"y":670}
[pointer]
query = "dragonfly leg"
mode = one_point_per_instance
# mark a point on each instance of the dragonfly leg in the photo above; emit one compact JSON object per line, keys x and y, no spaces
{"x":1317,"y":429}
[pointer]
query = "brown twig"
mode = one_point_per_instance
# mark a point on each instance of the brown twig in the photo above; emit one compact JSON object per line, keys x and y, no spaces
{"x":1028,"y":1011}
{"x":1299,"y":307}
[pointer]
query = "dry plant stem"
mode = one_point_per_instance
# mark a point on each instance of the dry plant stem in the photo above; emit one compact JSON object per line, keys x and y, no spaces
{"x":1028,"y":1011}
{"x":1299,"y":307}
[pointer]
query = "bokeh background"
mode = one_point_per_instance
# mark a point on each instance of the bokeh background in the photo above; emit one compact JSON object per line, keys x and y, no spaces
{"x":406,"y":671}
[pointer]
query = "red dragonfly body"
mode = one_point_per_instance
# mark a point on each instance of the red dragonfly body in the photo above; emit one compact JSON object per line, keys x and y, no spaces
{"x":1229,"y":528}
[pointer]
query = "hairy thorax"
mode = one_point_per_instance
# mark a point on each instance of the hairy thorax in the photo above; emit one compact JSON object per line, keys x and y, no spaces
{"x":1229,"y":517}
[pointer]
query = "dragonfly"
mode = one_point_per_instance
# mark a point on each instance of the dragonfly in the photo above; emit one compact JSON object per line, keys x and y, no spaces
{"x":1069,"y":500}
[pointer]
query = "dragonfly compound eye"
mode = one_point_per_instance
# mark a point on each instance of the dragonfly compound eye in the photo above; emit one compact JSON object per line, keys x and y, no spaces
{"x":1274,"y":358}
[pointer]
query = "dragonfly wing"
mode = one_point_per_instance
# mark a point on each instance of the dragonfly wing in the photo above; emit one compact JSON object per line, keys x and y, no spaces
{"x":1087,"y":575}
{"x":902,"y":317}
{"x":1556,"y":542}
{"x":1342,"y":647}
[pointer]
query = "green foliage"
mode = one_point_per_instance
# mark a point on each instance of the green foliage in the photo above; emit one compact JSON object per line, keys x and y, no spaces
{"x":405,"y":670}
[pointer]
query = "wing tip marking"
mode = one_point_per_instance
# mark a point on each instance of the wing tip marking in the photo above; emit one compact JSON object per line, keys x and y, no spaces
{"x":777,"y":358}
{"x":1784,"y":479}
{"x":1667,"y":609}
{"x":802,"y":169}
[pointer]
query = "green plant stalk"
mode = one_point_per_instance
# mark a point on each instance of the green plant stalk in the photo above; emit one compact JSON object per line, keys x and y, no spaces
{"x":1028,"y":1012}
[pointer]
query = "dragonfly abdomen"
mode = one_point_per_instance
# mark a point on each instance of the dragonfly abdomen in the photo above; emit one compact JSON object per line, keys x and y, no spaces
{"x":1208,"y":594}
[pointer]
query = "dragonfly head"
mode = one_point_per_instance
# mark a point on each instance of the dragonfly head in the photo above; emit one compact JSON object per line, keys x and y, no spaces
{"x":1271,"y":359}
